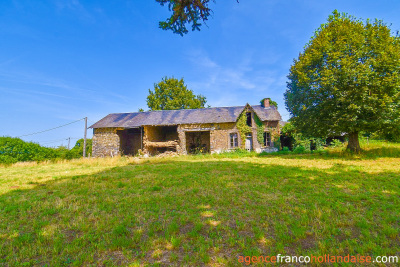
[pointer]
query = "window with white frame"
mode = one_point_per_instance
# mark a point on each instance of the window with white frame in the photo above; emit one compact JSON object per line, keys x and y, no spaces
{"x":233,"y":140}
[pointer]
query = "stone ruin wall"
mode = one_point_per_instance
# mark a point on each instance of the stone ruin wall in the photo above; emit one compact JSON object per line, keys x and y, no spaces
{"x":273,"y":128}
{"x":106,"y":142}
{"x":219,"y":135}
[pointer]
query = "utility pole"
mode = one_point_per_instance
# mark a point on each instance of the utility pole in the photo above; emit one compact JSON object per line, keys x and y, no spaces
{"x":69,"y":140}
{"x":84,"y":139}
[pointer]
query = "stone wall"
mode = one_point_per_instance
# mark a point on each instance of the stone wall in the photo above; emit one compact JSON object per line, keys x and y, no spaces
{"x":181,"y":149}
{"x":273,"y":128}
{"x":106,"y":142}
{"x":219,"y":135}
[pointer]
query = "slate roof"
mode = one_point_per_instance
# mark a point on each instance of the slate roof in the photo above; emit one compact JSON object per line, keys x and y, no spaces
{"x":183,"y":116}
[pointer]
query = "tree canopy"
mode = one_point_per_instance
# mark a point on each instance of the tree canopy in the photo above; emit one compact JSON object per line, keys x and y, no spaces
{"x":171,"y":93}
{"x":346,"y":80}
{"x":185,"y":12}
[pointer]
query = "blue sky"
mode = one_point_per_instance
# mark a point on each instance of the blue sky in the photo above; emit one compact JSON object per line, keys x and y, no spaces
{"x":62,"y":60}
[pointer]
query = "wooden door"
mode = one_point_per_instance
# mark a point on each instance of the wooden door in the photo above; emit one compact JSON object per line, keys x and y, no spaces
{"x":249,"y":142}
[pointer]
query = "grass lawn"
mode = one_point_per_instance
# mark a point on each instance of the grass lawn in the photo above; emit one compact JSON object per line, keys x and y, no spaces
{"x":200,"y":210}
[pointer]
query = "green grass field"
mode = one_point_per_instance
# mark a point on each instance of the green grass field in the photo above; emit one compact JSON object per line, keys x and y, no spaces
{"x":200,"y":210}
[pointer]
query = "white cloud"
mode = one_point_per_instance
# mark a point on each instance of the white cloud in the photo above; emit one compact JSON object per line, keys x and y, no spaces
{"x":227,"y":84}
{"x":51,"y":92}
{"x":76,"y":7}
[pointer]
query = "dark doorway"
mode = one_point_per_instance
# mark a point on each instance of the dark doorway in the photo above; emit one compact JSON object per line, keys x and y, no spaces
{"x":198,"y":142}
{"x":130,"y":141}
{"x":287,"y":141}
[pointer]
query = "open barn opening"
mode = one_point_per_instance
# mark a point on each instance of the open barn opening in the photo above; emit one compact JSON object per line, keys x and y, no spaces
{"x":198,"y":142}
{"x":160,"y":139}
{"x":130,"y":141}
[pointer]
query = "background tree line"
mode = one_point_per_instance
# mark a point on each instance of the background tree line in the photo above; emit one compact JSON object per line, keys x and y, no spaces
{"x":13,"y":150}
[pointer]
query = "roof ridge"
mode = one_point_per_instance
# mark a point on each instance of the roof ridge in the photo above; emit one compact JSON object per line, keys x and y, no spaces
{"x":183,"y":116}
{"x":168,"y":110}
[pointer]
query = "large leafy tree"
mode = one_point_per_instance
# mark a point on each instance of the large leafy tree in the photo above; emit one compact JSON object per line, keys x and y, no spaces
{"x":346,"y":80}
{"x":171,"y":93}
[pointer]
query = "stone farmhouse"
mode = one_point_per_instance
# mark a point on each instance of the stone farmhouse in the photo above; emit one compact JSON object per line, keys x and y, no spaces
{"x":185,"y":131}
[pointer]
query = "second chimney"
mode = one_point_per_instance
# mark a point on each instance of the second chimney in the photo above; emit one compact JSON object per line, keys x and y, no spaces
{"x":265,"y":103}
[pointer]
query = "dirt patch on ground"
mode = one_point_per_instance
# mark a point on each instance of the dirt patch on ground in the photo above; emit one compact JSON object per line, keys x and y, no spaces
{"x":309,"y":242}
{"x":167,"y":154}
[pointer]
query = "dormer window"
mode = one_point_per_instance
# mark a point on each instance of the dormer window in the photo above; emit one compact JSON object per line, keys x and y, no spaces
{"x":248,"y":114}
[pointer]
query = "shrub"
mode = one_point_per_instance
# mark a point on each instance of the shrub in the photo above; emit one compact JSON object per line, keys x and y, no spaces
{"x":20,"y":150}
{"x":14,"y":149}
{"x":7,"y":160}
{"x":337,"y":143}
{"x":393,"y":136}
{"x":299,"y":149}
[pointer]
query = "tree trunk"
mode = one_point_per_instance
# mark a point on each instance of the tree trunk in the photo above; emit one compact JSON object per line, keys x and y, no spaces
{"x":354,"y":145}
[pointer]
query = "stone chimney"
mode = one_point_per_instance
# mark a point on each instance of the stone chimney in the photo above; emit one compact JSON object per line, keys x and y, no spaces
{"x":265,"y":103}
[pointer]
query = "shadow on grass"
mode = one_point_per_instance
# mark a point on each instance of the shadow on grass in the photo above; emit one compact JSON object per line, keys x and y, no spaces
{"x":375,"y":153}
{"x":199,"y":213}
{"x":391,"y":150}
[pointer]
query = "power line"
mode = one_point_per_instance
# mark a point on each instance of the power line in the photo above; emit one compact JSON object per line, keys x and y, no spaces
{"x":60,"y":140}
{"x":50,"y":129}
{"x":51,"y":141}
{"x":54,"y":141}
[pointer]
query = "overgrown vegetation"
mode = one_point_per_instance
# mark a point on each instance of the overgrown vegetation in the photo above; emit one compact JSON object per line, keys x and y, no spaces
{"x":14,"y":150}
{"x":303,"y":144}
{"x":200,"y":210}
{"x":260,"y":129}
{"x":392,"y":136}
{"x":243,"y":128}
{"x":297,"y":142}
